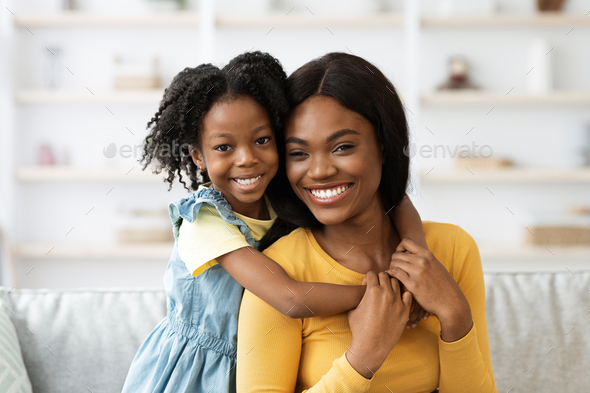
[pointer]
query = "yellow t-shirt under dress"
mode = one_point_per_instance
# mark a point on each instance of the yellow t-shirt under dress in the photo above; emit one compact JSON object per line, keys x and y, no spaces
{"x":209,"y":236}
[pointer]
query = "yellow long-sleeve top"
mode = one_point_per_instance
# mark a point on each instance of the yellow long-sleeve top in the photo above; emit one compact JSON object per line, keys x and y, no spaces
{"x":280,"y":354}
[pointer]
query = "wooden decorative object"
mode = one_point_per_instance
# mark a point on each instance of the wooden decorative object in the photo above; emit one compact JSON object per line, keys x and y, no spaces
{"x":549,"y":5}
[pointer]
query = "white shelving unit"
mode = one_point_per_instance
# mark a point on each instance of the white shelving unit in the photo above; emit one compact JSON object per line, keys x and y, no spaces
{"x":485,"y":98}
{"x":45,"y":96}
{"x":410,"y":23}
{"x":102,"y":251}
{"x":64,"y":173}
{"x":512,"y":175}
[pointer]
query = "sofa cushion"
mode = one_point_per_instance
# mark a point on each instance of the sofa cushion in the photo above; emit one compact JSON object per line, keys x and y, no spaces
{"x":539,"y":330}
{"x":13,"y":374}
{"x":83,"y":340}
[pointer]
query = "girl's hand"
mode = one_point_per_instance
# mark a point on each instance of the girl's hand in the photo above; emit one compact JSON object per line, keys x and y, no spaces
{"x":417,"y":313}
{"x":377,"y":323}
{"x":428,"y":280}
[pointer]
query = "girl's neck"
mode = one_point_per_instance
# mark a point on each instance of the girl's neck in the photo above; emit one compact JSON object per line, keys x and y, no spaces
{"x":257,"y":210}
{"x":361,"y":243}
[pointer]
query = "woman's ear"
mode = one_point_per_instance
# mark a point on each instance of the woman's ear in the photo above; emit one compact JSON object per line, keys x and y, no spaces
{"x":198,"y":158}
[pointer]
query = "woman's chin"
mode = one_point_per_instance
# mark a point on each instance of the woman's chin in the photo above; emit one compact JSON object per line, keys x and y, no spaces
{"x":329,"y":218}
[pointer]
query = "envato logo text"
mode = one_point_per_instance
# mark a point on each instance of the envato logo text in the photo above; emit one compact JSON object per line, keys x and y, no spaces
{"x":128,"y":151}
{"x":464,"y":151}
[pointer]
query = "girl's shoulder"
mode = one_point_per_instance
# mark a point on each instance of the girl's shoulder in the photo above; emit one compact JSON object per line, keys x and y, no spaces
{"x":188,"y":207}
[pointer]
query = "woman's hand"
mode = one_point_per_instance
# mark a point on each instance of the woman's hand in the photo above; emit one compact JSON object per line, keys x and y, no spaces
{"x":433,"y":287}
{"x":377,"y":323}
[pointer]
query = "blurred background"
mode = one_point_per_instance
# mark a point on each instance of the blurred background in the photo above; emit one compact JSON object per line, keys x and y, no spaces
{"x":497,"y":95}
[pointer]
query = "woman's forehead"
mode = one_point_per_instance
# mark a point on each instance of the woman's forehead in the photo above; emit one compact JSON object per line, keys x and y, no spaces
{"x":320,"y":115}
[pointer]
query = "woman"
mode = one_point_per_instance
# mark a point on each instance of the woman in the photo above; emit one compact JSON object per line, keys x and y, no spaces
{"x":347,"y":133}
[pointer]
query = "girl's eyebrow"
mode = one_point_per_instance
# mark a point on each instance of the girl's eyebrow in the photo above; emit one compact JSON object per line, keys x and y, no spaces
{"x":333,"y":137}
{"x":220,"y":136}
{"x":226,"y":135}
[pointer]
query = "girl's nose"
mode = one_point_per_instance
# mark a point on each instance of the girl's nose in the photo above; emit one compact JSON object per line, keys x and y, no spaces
{"x":246,"y":157}
{"x":321,"y":168}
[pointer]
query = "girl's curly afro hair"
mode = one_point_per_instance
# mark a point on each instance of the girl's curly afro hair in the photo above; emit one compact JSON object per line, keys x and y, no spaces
{"x":175,"y":128}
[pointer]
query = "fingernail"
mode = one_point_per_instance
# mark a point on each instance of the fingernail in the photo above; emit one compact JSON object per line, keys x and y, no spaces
{"x":425,"y":317}
{"x":414,"y":325}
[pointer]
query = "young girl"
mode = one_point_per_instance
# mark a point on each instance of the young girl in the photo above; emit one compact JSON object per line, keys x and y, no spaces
{"x":218,"y":126}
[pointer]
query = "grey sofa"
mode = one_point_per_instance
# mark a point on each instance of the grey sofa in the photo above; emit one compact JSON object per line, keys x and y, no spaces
{"x":84,"y":340}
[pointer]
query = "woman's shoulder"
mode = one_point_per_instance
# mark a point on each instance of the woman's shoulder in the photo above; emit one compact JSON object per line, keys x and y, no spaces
{"x":290,"y":249}
{"x":451,"y":245}
{"x":288,"y":242}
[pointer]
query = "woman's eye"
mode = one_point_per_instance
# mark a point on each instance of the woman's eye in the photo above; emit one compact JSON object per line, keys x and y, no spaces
{"x":344,"y":147}
{"x":262,"y":141}
{"x":222,"y":147}
{"x":296,"y":153}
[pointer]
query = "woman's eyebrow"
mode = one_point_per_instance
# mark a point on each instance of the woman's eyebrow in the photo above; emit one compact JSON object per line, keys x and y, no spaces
{"x":340,"y":133}
{"x":333,"y":137}
{"x":294,"y":139}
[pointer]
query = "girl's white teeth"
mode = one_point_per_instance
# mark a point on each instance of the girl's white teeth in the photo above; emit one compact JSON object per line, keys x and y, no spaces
{"x":247,"y":181}
{"x":329,"y":193}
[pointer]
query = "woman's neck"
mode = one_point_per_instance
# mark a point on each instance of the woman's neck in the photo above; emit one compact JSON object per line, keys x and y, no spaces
{"x":361,"y":243}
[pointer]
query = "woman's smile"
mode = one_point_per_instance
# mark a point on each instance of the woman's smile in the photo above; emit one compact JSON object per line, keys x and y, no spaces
{"x":328,"y":194}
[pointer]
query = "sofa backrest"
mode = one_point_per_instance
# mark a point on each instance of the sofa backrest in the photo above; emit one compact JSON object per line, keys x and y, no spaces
{"x":83,"y":340}
{"x":539,"y":330}
{"x":538,"y":326}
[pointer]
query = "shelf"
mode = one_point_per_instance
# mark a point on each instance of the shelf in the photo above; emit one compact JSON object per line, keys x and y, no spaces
{"x":86,"y":96}
{"x":69,"y":251}
{"x":56,"y":173}
{"x":187,"y":18}
{"x":81,"y":19}
{"x":488,"y":98}
{"x":381,"y":20}
{"x":163,"y":250}
{"x":549,"y":19}
{"x":529,"y":251}
{"x":514,"y":175}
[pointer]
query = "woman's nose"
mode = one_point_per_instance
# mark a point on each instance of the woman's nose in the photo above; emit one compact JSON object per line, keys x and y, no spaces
{"x":321,"y":168}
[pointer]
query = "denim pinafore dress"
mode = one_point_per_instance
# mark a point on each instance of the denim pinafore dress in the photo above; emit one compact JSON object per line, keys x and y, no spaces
{"x":193,"y":349}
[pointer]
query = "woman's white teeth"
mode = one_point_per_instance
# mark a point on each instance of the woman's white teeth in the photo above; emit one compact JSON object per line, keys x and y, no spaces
{"x":329,"y":193}
{"x":247,"y":181}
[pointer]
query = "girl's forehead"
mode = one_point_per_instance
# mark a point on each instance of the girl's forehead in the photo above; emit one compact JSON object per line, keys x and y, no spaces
{"x":235,"y":115}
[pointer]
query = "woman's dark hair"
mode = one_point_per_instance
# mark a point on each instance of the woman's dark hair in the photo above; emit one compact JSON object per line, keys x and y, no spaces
{"x":179,"y":120}
{"x":359,"y":86}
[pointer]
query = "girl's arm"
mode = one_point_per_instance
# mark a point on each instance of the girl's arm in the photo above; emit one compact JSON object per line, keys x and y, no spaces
{"x":408,"y":222}
{"x":297,"y":299}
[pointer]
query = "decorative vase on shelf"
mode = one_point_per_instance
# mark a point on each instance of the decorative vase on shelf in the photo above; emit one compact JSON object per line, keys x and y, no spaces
{"x":45,"y":155}
{"x":539,"y":78}
{"x":52,"y":71}
{"x":550,"y":5}
{"x":458,"y":75}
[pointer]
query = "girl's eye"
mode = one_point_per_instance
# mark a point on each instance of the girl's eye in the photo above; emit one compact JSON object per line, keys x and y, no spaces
{"x":262,"y":141}
{"x":222,"y":148}
{"x":344,"y":147}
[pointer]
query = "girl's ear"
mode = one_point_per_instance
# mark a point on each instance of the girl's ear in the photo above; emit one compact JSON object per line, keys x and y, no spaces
{"x":198,"y":158}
